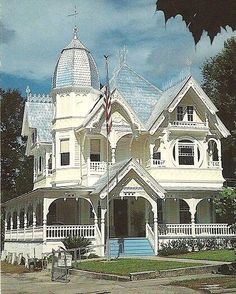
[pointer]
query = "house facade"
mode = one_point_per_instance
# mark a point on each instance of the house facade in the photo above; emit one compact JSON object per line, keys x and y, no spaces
{"x":163,"y":170}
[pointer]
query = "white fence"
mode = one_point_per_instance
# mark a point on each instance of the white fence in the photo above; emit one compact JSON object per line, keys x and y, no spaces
{"x":61,"y":232}
{"x":198,"y":230}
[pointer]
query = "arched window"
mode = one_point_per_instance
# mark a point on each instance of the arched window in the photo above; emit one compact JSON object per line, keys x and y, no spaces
{"x":186,"y":152}
{"x":22,"y":217}
{"x":184,"y":214}
{"x":14,"y":219}
{"x":213,"y":150}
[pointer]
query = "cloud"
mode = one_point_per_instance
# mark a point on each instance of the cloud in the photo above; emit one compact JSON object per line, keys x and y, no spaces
{"x":36,"y":32}
{"x":6,"y":34}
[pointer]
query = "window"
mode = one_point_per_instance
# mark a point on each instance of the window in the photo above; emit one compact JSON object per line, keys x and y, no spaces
{"x":180,"y":113}
{"x":186,"y":152}
{"x":190,"y":113}
{"x":95,"y":150}
{"x":34,"y":136}
{"x":156,"y":153}
{"x":40,"y":164}
{"x":50,"y":162}
{"x":64,"y":151}
{"x":184,"y":214}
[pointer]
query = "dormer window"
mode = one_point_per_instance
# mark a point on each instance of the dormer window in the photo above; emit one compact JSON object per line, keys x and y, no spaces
{"x":65,"y":152}
{"x":95,"y":150}
{"x":180,"y":113}
{"x":34,"y":136}
{"x":190,"y":113}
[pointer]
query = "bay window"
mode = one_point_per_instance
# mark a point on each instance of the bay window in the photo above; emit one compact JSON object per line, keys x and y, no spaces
{"x":64,"y":152}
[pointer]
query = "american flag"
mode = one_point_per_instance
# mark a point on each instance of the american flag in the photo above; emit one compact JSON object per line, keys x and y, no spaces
{"x":107,"y":102}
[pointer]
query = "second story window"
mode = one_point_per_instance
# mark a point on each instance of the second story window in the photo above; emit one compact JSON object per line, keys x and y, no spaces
{"x":40,"y":164}
{"x":190,"y":113}
{"x":180,"y":113}
{"x":34,"y":136}
{"x":65,"y":152}
{"x":186,"y":153}
{"x":95,"y":150}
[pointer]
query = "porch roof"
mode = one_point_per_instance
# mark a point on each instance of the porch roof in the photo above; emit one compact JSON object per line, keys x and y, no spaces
{"x":45,"y":193}
{"x":120,"y":174}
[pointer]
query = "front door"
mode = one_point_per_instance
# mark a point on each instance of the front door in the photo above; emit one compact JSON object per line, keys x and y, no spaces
{"x":121,"y":217}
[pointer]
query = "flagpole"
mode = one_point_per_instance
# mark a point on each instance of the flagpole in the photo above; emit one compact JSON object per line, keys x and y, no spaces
{"x":108,"y":176}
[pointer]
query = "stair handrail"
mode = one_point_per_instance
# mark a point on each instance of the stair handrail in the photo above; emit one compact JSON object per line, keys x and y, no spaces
{"x":150,"y":235}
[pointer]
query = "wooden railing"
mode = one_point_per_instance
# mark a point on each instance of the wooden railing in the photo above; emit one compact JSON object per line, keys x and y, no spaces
{"x":213,"y":164}
{"x":187,"y":124}
{"x":150,"y":235}
{"x":61,"y":232}
{"x":156,"y":163}
{"x":97,"y":167}
{"x":199,"y":229}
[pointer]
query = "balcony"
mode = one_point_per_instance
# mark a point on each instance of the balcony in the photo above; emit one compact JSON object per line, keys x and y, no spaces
{"x":188,"y":125}
{"x":213,"y":164}
{"x":97,"y":167}
{"x":156,"y":163}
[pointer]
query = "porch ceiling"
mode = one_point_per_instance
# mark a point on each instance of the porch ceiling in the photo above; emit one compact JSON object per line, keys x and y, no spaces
{"x":121,"y":174}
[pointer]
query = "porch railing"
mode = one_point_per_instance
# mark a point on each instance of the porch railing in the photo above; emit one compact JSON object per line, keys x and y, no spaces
{"x":204,"y":230}
{"x":61,"y":232}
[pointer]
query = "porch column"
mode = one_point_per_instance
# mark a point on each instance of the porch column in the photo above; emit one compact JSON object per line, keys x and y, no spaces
{"x":5,"y":223}
{"x":17,"y":223}
{"x":46,"y":163}
{"x":25,"y":221}
{"x":219,"y":153}
{"x":192,"y":203}
{"x":45,"y":212}
{"x":34,"y":221}
{"x":155,"y":222}
{"x":113,"y":155}
{"x":11,"y":224}
{"x":103,"y":212}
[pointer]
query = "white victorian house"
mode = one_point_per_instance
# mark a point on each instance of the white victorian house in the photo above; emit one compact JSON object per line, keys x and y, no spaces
{"x":164,"y":156}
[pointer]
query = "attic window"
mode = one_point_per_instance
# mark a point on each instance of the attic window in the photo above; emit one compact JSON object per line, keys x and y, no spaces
{"x":180,"y":113}
{"x":34,"y":136}
{"x":190,"y":113}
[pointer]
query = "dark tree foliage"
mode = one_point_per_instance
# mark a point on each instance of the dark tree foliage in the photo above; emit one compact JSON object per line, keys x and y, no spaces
{"x":16,"y":168}
{"x":201,"y":15}
{"x":219,"y":82}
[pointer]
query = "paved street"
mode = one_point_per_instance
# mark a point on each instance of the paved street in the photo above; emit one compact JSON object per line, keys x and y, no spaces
{"x":40,"y":283}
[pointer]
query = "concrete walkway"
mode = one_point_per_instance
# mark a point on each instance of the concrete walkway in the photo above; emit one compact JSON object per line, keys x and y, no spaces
{"x":40,"y":283}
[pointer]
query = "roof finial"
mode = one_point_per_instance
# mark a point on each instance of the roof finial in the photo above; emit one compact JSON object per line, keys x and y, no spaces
{"x":75,"y":27}
{"x":28,"y":92}
{"x":123,"y":55}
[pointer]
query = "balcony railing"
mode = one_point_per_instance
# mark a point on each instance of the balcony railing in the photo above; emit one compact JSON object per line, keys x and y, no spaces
{"x":189,"y":124}
{"x":156,"y":163}
{"x":97,"y":167}
{"x":213,"y":164}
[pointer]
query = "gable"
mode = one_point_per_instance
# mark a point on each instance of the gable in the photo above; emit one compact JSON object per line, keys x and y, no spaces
{"x":186,"y":93}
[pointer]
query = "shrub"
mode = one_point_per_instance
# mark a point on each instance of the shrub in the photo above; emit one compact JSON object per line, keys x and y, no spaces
{"x":174,"y":247}
{"x":76,"y":243}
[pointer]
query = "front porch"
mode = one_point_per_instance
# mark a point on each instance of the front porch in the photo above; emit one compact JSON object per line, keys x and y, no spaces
{"x":165,"y":231}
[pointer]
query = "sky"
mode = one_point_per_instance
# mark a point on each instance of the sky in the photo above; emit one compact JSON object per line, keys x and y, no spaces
{"x":35,"y":31}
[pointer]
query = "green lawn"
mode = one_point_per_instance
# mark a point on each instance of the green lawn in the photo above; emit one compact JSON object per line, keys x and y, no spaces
{"x":217,"y":255}
{"x":225,"y":282}
{"x":127,"y":266}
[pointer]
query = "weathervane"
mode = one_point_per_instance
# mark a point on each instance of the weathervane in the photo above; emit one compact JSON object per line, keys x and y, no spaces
{"x":123,"y":55}
{"x":75,"y":27}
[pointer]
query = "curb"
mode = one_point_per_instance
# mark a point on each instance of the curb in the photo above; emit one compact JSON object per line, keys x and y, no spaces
{"x":148,"y":274}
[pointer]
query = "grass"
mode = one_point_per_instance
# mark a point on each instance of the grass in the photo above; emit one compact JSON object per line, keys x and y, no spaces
{"x":214,"y":255}
{"x":224,"y":282}
{"x":127,"y":266}
{"x":12,"y":268}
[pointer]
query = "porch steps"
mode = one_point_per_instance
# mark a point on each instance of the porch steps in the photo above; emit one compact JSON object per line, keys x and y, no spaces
{"x":131,"y":247}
